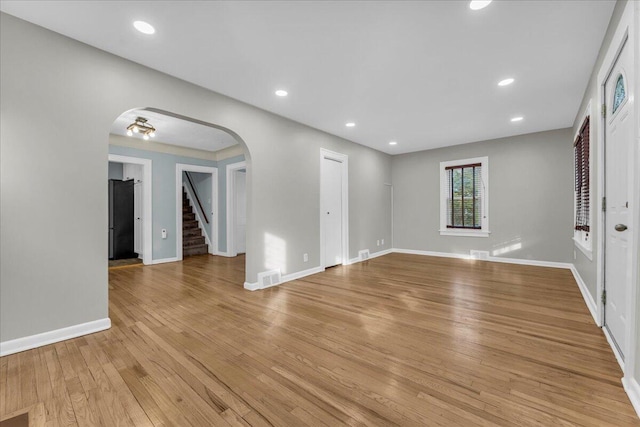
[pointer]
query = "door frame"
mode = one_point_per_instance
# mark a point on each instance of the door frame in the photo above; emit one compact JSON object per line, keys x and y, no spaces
{"x":183,"y":167}
{"x":231,"y":207}
{"x":147,"y":183}
{"x":343,"y":159}
{"x":624,"y":34}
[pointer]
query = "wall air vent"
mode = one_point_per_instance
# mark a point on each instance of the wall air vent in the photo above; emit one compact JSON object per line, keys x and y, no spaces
{"x":363,"y":254}
{"x":269,"y":278}
{"x":484,"y":255}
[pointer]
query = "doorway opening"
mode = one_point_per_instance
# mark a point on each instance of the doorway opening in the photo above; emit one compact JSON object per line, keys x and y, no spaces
{"x":196,"y":210}
{"x":334,"y":208}
{"x":236,"y":208}
{"x":130,"y":189}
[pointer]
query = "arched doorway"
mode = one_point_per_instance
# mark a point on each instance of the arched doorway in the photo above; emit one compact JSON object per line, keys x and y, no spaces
{"x":179,"y":156}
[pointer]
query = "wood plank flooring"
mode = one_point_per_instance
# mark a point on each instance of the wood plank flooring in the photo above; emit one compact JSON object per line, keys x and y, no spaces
{"x":398,"y":340}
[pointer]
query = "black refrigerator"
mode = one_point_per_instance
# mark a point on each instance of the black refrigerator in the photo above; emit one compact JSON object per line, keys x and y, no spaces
{"x":121,"y":219}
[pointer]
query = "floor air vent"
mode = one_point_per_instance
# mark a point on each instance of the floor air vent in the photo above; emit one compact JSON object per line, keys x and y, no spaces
{"x":363,"y":254}
{"x":269,"y":278}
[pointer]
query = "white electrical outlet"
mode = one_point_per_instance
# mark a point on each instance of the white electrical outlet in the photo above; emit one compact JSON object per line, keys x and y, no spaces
{"x":305,"y":257}
{"x":382,"y":242}
{"x":378,"y":242}
{"x":164,"y":233}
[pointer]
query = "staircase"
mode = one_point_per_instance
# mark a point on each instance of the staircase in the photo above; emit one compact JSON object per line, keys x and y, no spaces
{"x":192,"y":238}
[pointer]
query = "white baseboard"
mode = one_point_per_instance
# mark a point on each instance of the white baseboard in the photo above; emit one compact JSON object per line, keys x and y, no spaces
{"x":614,"y":348}
{"x":164,"y":260}
{"x":633,"y":391}
{"x":588,"y":298}
{"x":491,"y":258}
{"x":371,"y":255}
{"x":285,"y":278}
{"x":50,"y":337}
{"x":429,"y":253}
{"x":251,"y":286}
{"x":225,"y":254}
{"x":533,"y":262}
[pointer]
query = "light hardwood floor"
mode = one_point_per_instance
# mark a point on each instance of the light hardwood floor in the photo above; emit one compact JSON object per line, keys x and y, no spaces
{"x":397,"y":340}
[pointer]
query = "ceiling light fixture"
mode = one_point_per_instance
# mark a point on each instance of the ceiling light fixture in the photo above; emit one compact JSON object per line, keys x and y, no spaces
{"x":393,"y":143}
{"x":479,"y":4}
{"x":144,"y":27}
{"x":350,"y":124}
{"x":517,"y":119}
{"x":506,"y":82}
{"x":140,"y":125}
{"x":281,"y":92}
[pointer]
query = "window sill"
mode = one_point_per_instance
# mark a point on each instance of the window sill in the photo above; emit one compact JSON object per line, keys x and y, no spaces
{"x":464,"y":233}
{"x":588,"y":252}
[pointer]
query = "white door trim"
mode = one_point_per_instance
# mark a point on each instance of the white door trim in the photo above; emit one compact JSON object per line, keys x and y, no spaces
{"x":343,"y":159}
{"x":625,"y":33}
{"x":147,"y":239}
{"x":182,"y":167}
{"x":231,"y":210}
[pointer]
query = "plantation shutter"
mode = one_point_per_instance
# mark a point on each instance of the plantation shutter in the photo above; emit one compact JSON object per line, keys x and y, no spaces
{"x":464,"y":196}
{"x":581,"y":152}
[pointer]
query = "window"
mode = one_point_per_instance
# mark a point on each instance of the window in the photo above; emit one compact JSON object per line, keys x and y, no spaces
{"x":464,"y":203}
{"x":581,"y":188}
{"x":620,"y":94}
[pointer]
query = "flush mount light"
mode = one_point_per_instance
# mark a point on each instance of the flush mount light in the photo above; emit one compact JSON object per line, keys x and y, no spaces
{"x":517,"y":119}
{"x":506,"y":82}
{"x":141,"y":125}
{"x":281,"y":92}
{"x":349,"y":124}
{"x":144,"y":27}
{"x":479,"y":4}
{"x":393,"y":143}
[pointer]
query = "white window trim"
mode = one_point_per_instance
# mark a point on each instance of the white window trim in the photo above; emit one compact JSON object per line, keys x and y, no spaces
{"x":581,"y":239}
{"x":484,"y":231}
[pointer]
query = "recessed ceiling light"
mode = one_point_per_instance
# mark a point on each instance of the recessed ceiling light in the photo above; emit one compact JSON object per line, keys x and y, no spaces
{"x":350,"y":124}
{"x":517,"y":119}
{"x":144,"y":27}
{"x":506,"y":82}
{"x":281,"y":92}
{"x":393,"y":143}
{"x":479,"y":4}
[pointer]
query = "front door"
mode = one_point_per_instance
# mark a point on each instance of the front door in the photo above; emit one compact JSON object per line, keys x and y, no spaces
{"x":618,"y":123}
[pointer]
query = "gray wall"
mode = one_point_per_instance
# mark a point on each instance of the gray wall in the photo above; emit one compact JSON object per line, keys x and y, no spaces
{"x":115,"y":170}
{"x":57,"y":79}
{"x":202,"y":183}
{"x":530,"y":197}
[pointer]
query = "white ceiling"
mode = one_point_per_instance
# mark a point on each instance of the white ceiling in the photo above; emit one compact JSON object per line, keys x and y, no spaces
{"x":422,"y":73}
{"x":175,"y":131}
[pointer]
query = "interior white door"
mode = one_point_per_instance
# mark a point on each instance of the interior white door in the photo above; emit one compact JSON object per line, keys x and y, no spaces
{"x":331,"y":202}
{"x":618,"y":145}
{"x":132,"y":171}
{"x":240,"y":222}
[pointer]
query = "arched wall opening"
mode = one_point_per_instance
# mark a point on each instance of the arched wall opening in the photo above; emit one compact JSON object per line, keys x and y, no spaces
{"x":179,"y":147}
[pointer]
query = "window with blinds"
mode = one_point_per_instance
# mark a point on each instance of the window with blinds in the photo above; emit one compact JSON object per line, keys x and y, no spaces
{"x":464,"y":196}
{"x":581,"y":169}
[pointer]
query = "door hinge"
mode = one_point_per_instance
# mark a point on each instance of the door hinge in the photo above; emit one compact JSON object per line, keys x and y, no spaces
{"x":604,"y":110}
{"x":604,"y":204}
{"x":604,"y":297}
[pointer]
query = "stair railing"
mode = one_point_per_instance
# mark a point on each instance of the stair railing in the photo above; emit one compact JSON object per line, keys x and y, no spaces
{"x":195,"y":194}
